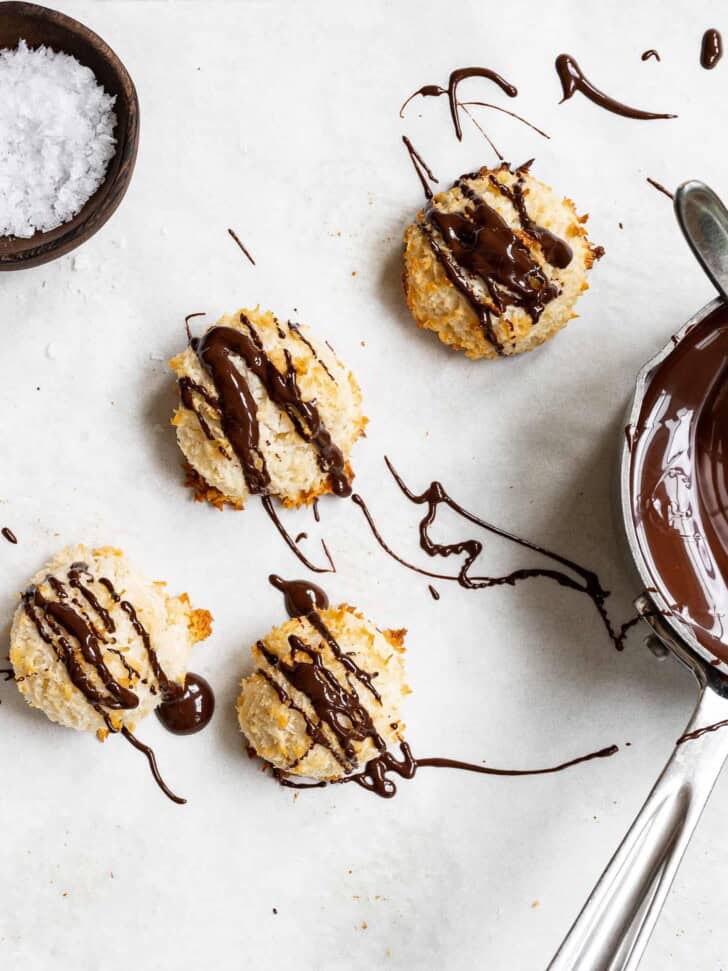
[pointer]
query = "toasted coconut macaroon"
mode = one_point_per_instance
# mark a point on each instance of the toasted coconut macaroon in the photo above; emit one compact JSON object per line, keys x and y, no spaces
{"x":324,"y":697}
{"x":495,"y":264}
{"x":97,"y":647}
{"x":265,"y":409}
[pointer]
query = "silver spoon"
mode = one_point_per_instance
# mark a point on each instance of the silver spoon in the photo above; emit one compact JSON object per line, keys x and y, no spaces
{"x":614,"y":926}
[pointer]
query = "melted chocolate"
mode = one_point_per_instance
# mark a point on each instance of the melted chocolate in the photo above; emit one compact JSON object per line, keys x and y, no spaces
{"x":650,"y":53}
{"x":573,"y":79}
{"x":9,"y":535}
{"x":7,"y":673}
{"x":660,"y":188}
{"x":435,"y":496}
{"x":191,"y":711}
{"x":679,"y":480}
{"x":435,"y":595}
{"x":240,"y":244}
{"x":711,"y":49}
{"x":238,"y":412}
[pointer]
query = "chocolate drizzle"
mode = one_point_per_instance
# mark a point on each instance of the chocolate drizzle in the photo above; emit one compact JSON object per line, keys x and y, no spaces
{"x":711,"y":49}
{"x":236,"y":407}
{"x":477,"y":244}
{"x":460,"y":74}
{"x":470,"y":549}
{"x":421,"y":167}
{"x":9,"y":535}
{"x":660,"y":188}
{"x":240,"y":244}
{"x":341,"y":711}
{"x":646,"y":55}
{"x":573,"y":79}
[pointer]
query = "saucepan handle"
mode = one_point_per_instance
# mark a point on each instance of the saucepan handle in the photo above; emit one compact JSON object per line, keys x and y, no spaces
{"x":612,"y":930}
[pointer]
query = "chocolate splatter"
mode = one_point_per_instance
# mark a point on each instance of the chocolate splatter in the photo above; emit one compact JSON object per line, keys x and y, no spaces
{"x":573,"y":79}
{"x":241,"y":245}
{"x":711,"y":49}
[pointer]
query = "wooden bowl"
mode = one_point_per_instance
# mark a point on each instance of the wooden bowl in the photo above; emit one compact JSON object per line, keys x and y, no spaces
{"x":39,"y":25}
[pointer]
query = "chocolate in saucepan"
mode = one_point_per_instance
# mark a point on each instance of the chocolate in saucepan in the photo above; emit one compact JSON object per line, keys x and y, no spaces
{"x":679,"y":480}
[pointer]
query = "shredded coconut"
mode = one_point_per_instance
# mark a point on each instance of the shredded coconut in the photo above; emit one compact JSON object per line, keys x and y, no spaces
{"x":56,"y":138}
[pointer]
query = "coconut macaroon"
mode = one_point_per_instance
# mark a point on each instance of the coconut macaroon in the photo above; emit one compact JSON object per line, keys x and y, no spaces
{"x":495,"y":264}
{"x":265,"y":409}
{"x":96,"y":646}
{"x":324,"y":698}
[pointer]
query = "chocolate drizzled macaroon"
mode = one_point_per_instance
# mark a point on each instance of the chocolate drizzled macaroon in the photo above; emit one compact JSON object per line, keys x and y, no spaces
{"x":265,"y":409}
{"x":96,"y":646}
{"x":495,"y":264}
{"x":324,"y":698}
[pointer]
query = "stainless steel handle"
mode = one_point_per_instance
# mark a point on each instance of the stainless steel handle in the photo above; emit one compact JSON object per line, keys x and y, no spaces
{"x":704,"y":220}
{"x":612,"y":930}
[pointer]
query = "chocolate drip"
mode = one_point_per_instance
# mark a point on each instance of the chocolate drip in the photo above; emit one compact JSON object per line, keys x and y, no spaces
{"x":188,"y":318}
{"x":238,"y":410}
{"x":460,"y":281}
{"x":9,"y":535}
{"x":556,"y":251}
{"x":335,"y":706}
{"x":306,"y":599}
{"x":316,"y":515}
{"x":698,"y":732}
{"x":646,"y":55}
{"x":421,"y":167}
{"x":74,"y":578}
{"x":460,"y":74}
{"x":188,"y":389}
{"x":60,"y":617}
{"x":661,"y":188}
{"x":711,"y":49}
{"x":295,"y":329}
{"x":374,"y":778}
{"x":171,"y":691}
{"x":313,"y":729}
{"x":270,"y":509}
{"x":192,"y":710}
{"x":435,"y":496}
{"x":433,"y":592}
{"x":240,"y":244}
{"x":154,"y":768}
{"x":573,"y":79}
{"x":8,"y":674}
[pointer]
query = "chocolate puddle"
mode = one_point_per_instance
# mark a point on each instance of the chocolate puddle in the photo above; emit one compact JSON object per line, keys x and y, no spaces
{"x":573,"y":79}
{"x":345,"y":716}
{"x":679,"y":481}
